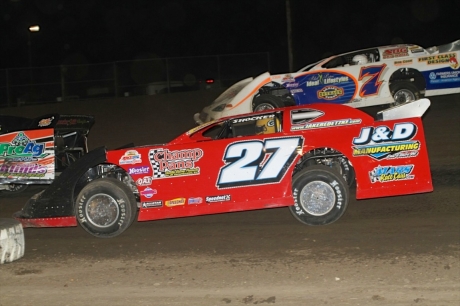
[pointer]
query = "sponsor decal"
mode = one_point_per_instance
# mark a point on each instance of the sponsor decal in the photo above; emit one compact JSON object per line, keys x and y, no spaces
{"x":28,"y":170}
{"x":296,"y":90}
{"x":175,"y":202}
{"x":253,"y":118}
{"x":287,"y":78}
{"x":292,"y":85}
{"x":218,"y":198}
{"x":383,"y":174}
{"x":152,"y":204}
{"x":330,"y":93}
{"x":444,"y":76}
{"x":21,"y":147}
{"x":45,"y":122}
{"x":396,"y":52}
{"x":130,"y":157}
{"x":382,"y":142}
{"x":319,"y":79}
{"x":326,"y":124}
{"x":144,"y":181}
{"x":139,"y":170}
{"x":148,"y":192}
{"x":403,"y":62}
{"x":198,"y":200}
{"x":446,"y":58}
{"x":166,"y":163}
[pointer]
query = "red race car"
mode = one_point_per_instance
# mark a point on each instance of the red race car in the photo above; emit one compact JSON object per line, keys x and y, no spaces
{"x":304,"y":157}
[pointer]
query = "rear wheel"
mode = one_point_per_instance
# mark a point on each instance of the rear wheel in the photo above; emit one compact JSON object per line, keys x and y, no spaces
{"x":106,"y":207}
{"x":266,"y":102}
{"x":404,"y":91}
{"x":14,"y":189}
{"x":320,"y":195}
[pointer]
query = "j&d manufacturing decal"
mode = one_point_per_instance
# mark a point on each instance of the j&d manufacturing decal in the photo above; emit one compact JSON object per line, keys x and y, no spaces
{"x":382,"y":142}
{"x":130,"y":157}
{"x":166,"y":163}
{"x":383,"y":174}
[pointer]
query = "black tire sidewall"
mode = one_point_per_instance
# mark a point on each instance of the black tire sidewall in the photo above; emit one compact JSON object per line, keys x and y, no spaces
{"x":125,"y":201}
{"x":333,"y":179}
{"x":269,"y":99}
{"x":398,"y":85}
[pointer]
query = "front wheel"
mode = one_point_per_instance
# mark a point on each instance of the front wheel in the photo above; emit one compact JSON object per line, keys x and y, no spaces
{"x":14,"y":189}
{"x":320,"y":195}
{"x":404,"y":91}
{"x":106,"y":207}
{"x":266,"y":102}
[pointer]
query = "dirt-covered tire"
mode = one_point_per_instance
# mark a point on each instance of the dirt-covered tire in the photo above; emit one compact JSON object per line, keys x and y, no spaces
{"x":266,"y":102}
{"x":14,"y":189}
{"x":404,"y":91}
{"x":320,"y":195}
{"x":339,"y":164}
{"x":105,"y":207}
{"x":12,"y":244}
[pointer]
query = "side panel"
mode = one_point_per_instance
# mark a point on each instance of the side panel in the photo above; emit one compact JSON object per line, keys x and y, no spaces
{"x":441,"y":71}
{"x":27,"y":156}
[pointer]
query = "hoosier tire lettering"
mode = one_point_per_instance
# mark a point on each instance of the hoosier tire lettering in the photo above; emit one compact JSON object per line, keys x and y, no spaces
{"x":106,"y":207}
{"x":320,"y":195}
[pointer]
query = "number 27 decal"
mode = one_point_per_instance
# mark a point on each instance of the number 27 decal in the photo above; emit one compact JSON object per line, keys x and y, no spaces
{"x":257,"y":162}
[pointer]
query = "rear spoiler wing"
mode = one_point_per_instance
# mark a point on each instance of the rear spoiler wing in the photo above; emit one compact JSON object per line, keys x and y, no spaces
{"x":406,"y":110}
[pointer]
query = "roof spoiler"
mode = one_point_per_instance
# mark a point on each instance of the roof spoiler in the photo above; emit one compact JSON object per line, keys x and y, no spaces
{"x":406,"y":110}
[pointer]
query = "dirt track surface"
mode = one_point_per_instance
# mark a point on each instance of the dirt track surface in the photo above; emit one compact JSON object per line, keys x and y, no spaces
{"x":390,"y":251}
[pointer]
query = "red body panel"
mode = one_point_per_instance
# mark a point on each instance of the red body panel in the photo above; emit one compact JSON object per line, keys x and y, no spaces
{"x":197,"y":175}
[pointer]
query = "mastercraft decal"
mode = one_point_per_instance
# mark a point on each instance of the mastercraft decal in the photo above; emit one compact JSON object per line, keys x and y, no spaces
{"x":148,"y":192}
{"x":152,"y":204}
{"x":326,"y":124}
{"x":130,"y":157}
{"x":175,"y":202}
{"x":198,"y":200}
{"x":382,"y":142}
{"x":218,"y":198}
{"x":166,"y":163}
{"x":383,"y":174}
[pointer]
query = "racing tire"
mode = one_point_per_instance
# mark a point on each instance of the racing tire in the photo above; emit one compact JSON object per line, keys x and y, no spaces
{"x":341,"y":165}
{"x":14,"y":189}
{"x":266,"y":102}
{"x":12,"y":244}
{"x":105,"y":207}
{"x":320,"y":195}
{"x":403,"y":92}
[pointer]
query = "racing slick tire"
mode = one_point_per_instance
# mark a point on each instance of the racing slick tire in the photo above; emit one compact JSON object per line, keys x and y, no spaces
{"x":12,"y":243}
{"x":266,"y":102}
{"x":105,"y":207}
{"x":341,"y":165}
{"x":404,"y":91}
{"x":320,"y":195}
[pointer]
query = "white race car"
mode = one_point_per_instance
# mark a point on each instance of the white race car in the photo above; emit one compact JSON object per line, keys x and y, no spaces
{"x":382,"y":75}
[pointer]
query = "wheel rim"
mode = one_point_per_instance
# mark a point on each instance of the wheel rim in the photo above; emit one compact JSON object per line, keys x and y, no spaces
{"x":102,"y":210}
{"x":16,"y":187}
{"x":403,"y":96}
{"x":263,"y":106}
{"x":317,"y":198}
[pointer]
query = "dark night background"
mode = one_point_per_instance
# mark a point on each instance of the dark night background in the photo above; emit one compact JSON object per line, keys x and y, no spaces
{"x":99,"y":31}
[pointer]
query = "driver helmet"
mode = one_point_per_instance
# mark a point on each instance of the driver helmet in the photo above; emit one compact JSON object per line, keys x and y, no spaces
{"x":359,"y":59}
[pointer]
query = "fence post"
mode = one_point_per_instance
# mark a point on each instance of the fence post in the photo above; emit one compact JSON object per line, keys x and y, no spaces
{"x":62,"y":83}
{"x":115,"y":79}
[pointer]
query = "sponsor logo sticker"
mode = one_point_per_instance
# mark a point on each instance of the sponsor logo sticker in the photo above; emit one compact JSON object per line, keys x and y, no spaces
{"x":152,"y":204}
{"x":175,"y":202}
{"x":384,"y":174}
{"x":218,"y":198}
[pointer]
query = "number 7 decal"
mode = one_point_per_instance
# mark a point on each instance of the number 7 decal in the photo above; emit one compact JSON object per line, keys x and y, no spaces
{"x":256,"y":162}
{"x":372,"y":85}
